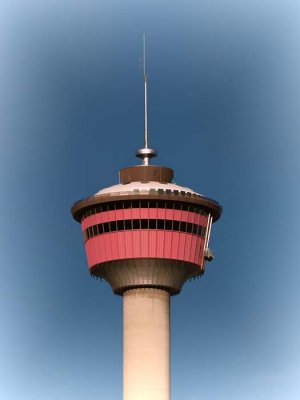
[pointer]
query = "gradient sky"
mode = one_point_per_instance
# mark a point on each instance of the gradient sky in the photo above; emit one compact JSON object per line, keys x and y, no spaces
{"x":224,"y":96}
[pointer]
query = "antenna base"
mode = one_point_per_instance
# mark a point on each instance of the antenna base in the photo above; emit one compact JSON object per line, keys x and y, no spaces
{"x":146,"y":155}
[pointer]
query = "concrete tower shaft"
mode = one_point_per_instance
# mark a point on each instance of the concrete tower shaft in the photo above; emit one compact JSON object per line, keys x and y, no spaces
{"x":146,"y":349}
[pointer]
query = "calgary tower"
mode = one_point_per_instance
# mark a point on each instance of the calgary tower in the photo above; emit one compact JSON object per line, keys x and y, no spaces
{"x":146,"y":236}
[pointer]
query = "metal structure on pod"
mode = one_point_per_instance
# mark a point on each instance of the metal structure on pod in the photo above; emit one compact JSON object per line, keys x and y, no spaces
{"x":146,"y":236}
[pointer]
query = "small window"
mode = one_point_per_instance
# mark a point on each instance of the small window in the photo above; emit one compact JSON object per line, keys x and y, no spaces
{"x":168,"y":225}
{"x":128,"y":224}
{"x":127,"y":204}
{"x":175,"y":225}
{"x":195,"y":229}
{"x":182,"y":226}
{"x":160,"y":224}
{"x":161,"y":204}
{"x":152,"y":223}
{"x":105,"y":227}
{"x":152,"y":204}
{"x":100,"y":229}
{"x":177,"y":206}
{"x":144,"y":203}
{"x":120,"y":225}
{"x":184,"y":207}
{"x":135,"y":204}
{"x":95,"y":230}
{"x":136,"y":224}
{"x":113,"y":226}
{"x":144,"y":223}
{"x":189,"y":227}
{"x":104,"y":207}
{"x":200,"y":230}
{"x":169,"y":205}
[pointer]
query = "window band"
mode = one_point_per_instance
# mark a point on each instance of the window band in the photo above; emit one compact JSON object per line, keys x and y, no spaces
{"x":164,"y":204}
{"x":152,"y":224}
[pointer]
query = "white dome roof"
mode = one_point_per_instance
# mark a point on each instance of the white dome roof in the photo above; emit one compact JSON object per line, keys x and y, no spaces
{"x":143,"y":187}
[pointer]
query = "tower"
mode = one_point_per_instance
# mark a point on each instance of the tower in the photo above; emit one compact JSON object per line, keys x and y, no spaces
{"x":146,"y":236}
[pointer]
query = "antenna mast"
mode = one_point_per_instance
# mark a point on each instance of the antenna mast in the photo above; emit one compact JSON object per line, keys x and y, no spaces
{"x":145,"y":92}
{"x":145,"y":153}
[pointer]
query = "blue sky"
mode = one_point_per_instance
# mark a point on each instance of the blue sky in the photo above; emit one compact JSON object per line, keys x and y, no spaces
{"x":224,"y":95}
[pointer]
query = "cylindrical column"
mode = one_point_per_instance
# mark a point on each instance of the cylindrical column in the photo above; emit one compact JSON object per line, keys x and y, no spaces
{"x":146,"y":352}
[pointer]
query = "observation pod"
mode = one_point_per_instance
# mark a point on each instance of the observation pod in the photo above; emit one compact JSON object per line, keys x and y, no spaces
{"x":146,"y":232}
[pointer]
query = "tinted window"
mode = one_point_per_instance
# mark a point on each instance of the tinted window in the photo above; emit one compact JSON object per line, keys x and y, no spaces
{"x":113,"y":226}
{"x":160,"y":224}
{"x":152,"y":223}
{"x":168,"y":225}
{"x":120,"y":225}
{"x":136,"y":224}
{"x":128,"y":224}
{"x":189,"y":227}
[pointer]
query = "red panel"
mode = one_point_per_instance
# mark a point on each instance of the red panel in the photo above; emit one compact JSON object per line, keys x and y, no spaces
{"x":167,"y":244}
{"x":160,"y":243}
{"x":177,"y":215}
{"x":203,"y":220}
{"x":187,"y":250}
{"x":161,"y":212}
{"x":136,"y":240}
{"x":121,"y":244}
{"x":193,"y":248}
{"x":90,"y":260}
{"x":152,"y":251}
{"x":169,"y":214}
{"x":144,"y":213}
{"x":199,"y":251}
{"x":181,"y":247}
{"x":104,"y":253}
{"x":137,"y":213}
{"x":128,"y":243}
{"x":109,"y":245}
{"x":113,"y":239}
{"x":175,"y":245}
{"x":144,"y":243}
{"x":98,"y":251}
{"x":153,"y":213}
{"x":94,"y":251}
{"x":190,"y":217}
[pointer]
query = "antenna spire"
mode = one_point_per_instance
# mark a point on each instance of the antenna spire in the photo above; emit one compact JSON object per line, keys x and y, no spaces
{"x":145,"y":91}
{"x":145,"y":153}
